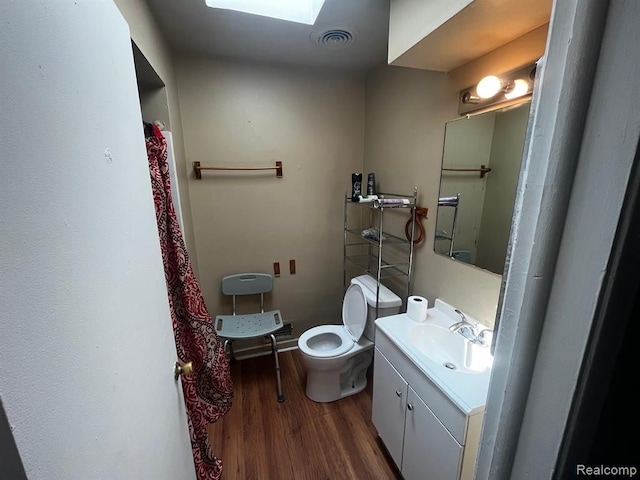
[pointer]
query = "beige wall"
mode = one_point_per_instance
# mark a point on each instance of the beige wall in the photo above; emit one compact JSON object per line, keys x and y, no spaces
{"x":412,"y":20}
{"x":406,"y":111}
{"x":147,"y":37}
{"x":239,"y":114}
{"x":313,"y":121}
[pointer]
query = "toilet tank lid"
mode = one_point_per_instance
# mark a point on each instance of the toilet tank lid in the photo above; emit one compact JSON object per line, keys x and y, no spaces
{"x":387,"y":298}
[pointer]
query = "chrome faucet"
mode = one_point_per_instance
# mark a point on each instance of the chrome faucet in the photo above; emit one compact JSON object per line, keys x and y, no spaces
{"x":464,"y":327}
{"x":470,"y":331}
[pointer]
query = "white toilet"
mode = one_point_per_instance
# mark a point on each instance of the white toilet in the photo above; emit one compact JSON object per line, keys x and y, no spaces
{"x":337,"y":356}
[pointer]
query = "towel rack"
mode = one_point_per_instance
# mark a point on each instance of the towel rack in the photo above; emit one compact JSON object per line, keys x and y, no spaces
{"x":197,"y":169}
{"x":483,"y":170}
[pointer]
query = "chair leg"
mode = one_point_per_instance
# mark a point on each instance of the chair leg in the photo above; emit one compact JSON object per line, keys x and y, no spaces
{"x":230,"y":355}
{"x":274,"y":348}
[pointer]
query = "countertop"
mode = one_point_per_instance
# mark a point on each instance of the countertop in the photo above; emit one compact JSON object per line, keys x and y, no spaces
{"x":467,"y":390}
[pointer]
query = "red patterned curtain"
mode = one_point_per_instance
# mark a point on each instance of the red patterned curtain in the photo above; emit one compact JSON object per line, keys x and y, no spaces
{"x":208,"y":392}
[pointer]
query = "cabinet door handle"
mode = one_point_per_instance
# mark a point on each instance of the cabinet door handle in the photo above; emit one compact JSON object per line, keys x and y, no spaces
{"x":398,"y":393}
{"x":410,"y":406}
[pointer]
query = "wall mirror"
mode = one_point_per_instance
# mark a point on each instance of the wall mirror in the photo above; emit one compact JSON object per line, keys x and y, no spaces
{"x":478,"y":182}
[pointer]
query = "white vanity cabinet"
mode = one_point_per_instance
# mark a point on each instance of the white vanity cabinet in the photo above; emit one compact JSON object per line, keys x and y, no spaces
{"x":390,"y":393}
{"x":426,"y":433}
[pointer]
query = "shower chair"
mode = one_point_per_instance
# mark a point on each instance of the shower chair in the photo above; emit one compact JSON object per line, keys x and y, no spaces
{"x":250,"y":325}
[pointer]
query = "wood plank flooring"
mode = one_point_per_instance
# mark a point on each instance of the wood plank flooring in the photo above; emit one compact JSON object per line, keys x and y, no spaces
{"x":298,"y":439}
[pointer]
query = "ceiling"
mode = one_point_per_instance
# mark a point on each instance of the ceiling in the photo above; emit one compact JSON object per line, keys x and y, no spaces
{"x":476,"y":30}
{"x":191,"y":28}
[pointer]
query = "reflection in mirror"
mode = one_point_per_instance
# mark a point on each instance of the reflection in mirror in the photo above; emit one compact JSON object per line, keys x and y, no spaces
{"x":478,"y":182}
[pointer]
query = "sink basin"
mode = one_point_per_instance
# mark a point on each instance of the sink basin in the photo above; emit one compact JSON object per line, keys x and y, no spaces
{"x":459,"y":368}
{"x":450,"y":349}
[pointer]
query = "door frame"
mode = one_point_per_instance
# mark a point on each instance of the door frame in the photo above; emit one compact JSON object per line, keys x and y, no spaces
{"x":581,"y":147}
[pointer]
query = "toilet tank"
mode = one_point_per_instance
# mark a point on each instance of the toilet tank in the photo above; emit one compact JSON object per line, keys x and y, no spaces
{"x":388,"y":303}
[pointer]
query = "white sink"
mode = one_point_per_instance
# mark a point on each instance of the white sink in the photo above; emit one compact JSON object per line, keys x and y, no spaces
{"x":459,"y":367}
{"x":450,"y":349}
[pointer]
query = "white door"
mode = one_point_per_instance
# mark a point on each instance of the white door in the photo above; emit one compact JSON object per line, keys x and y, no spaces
{"x":86,"y":344}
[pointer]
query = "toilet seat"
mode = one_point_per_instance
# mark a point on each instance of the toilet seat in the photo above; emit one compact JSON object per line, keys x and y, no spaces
{"x":327,"y":341}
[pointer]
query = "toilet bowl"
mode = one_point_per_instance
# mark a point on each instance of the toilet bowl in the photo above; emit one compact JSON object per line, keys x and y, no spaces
{"x":337,"y":356}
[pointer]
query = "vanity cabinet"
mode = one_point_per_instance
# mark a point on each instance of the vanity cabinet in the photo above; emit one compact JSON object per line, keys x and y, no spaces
{"x":389,"y":405}
{"x":426,"y":434}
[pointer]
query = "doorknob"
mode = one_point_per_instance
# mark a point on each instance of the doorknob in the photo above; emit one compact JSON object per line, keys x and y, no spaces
{"x":180,"y":369}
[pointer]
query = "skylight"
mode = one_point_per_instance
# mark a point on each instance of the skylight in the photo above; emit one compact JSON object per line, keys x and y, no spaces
{"x":300,"y":11}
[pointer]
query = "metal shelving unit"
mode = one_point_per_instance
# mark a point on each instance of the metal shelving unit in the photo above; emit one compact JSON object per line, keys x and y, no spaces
{"x":387,"y":255}
{"x":449,"y":202}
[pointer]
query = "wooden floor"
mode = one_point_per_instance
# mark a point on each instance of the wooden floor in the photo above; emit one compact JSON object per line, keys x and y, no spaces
{"x":298,"y":439}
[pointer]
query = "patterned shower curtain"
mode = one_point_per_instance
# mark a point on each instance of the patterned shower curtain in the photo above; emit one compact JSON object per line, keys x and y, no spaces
{"x":208,"y":392}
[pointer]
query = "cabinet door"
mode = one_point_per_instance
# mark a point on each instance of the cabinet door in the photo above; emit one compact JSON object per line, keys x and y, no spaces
{"x":389,"y":400}
{"x":429,"y":449}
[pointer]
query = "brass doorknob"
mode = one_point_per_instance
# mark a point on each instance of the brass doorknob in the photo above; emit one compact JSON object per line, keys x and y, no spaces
{"x":182,"y":368}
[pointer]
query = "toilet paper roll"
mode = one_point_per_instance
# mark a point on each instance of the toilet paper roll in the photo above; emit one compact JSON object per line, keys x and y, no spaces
{"x":417,"y":308}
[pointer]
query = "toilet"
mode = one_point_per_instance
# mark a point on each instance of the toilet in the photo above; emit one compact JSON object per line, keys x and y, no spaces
{"x":337,"y":356}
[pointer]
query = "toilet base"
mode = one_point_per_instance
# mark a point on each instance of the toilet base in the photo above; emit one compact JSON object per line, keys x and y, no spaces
{"x":324,"y":386}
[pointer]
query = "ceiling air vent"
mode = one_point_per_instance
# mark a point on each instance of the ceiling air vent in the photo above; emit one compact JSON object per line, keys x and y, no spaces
{"x":334,"y":38}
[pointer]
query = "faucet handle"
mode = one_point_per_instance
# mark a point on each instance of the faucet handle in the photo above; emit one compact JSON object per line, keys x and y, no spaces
{"x":482,"y":336}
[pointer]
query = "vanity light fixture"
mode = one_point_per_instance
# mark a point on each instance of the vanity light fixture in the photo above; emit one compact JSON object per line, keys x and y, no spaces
{"x":495,"y":89}
{"x":520,"y":88}
{"x":299,"y":11}
{"x":489,"y":86}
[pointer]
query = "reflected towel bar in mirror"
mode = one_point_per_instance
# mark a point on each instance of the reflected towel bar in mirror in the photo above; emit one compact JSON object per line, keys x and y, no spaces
{"x":449,"y":201}
{"x":483,"y":170}
{"x":197,"y":169}
{"x":484,"y":215}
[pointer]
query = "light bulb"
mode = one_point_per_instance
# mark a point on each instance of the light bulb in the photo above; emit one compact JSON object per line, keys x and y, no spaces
{"x":521,"y":87}
{"x":488,"y":86}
